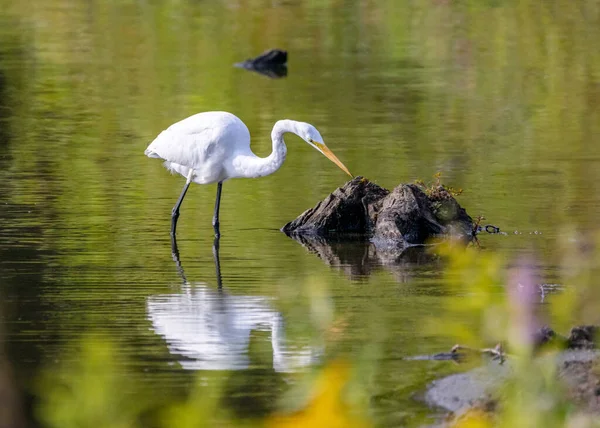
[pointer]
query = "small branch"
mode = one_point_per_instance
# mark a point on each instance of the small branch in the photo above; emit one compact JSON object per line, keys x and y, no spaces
{"x":496,"y":352}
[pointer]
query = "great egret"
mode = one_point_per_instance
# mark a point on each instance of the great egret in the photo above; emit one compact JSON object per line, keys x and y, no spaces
{"x":214,"y":146}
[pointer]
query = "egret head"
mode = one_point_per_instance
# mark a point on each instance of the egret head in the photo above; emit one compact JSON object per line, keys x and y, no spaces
{"x":310,"y":134}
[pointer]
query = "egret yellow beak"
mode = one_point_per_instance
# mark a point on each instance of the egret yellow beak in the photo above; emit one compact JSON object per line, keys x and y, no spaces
{"x":333,"y":158}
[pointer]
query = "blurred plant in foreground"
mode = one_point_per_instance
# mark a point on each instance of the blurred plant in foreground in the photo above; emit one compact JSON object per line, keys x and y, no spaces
{"x":92,"y":393}
{"x":476,"y":280}
{"x":89,"y":392}
{"x":327,"y":407}
{"x":504,"y":301}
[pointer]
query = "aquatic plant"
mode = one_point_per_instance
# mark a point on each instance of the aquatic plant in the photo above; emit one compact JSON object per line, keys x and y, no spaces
{"x":504,"y":295}
{"x":436,"y":190}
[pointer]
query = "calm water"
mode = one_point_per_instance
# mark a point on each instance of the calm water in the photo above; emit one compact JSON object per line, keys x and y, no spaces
{"x":84,"y":241}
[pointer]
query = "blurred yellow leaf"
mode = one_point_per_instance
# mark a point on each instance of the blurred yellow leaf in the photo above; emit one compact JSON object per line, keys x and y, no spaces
{"x":327,"y":407}
{"x":474,"y":418}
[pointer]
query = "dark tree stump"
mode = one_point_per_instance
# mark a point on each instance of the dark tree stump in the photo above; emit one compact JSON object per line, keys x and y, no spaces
{"x":363,"y":210}
{"x":345,"y":212}
{"x":406,"y":216}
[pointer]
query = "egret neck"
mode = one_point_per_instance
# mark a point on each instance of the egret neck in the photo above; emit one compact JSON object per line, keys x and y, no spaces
{"x":255,"y":166}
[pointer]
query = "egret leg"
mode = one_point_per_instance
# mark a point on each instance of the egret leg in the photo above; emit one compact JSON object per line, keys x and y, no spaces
{"x":215,"y":221}
{"x":175,"y":212}
{"x":215,"y":250}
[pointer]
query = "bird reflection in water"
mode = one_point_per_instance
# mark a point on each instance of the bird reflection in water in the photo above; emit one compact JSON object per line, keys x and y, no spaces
{"x":214,"y":330}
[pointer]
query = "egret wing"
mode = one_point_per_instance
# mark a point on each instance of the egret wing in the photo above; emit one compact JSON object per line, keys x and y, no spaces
{"x":200,"y":140}
{"x":190,"y":150}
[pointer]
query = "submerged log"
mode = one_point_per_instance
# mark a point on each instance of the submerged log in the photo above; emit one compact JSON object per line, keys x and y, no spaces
{"x":365,"y":211}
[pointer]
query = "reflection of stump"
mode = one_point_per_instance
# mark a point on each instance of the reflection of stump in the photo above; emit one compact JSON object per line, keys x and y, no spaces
{"x":359,"y":259}
{"x":356,"y":259}
{"x":365,"y":211}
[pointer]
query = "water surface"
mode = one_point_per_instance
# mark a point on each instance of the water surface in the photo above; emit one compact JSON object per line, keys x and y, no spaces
{"x":84,"y":242}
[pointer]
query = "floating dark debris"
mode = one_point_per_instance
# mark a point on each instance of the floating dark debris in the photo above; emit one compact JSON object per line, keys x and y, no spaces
{"x":272,"y":63}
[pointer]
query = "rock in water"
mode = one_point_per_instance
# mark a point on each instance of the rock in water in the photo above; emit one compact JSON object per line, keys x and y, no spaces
{"x":363,"y":210}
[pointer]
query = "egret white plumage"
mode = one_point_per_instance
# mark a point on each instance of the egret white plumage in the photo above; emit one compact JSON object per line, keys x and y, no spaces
{"x":212,"y":147}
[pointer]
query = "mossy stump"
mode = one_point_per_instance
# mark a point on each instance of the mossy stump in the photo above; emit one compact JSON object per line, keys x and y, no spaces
{"x":362,"y":210}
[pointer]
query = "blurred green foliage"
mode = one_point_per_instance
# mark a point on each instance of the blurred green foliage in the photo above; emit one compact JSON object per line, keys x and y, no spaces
{"x":478,"y":282}
{"x":505,"y":296}
{"x":92,"y":392}
{"x":89,"y":391}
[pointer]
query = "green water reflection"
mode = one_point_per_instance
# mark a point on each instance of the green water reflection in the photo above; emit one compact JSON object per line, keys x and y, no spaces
{"x":502,"y":97}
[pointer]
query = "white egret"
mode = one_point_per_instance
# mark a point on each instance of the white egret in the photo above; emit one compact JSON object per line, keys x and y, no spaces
{"x":212,"y":147}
